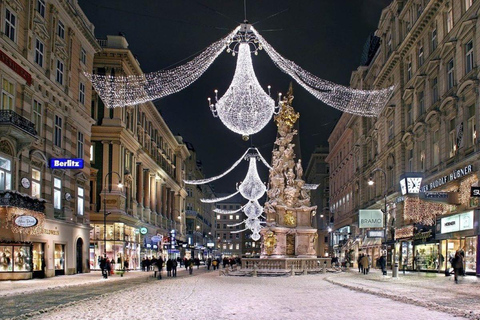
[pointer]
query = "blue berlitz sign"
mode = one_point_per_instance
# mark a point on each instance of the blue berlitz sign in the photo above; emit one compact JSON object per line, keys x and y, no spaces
{"x":66,"y":163}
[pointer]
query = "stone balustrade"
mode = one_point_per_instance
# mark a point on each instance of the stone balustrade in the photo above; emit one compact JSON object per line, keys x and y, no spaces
{"x":284,"y":265}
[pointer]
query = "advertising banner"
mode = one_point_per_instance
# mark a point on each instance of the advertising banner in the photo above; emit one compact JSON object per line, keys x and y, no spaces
{"x":457,"y":222}
{"x":370,"y":219}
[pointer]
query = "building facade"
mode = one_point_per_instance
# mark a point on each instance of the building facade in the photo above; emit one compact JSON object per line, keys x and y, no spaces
{"x":45,"y":116}
{"x":318,"y":171}
{"x":429,"y":51}
{"x":138,"y":167}
{"x":200,"y":218}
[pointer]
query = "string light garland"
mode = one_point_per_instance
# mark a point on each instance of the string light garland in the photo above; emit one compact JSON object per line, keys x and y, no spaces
{"x":213,"y":200}
{"x":120,"y":91}
{"x":244,"y":108}
{"x":369,"y":103}
{"x":404,"y":232}
{"x":423,"y":212}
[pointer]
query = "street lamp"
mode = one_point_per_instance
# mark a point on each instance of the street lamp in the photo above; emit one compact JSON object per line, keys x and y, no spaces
{"x":105,"y":213}
{"x":371,"y":182}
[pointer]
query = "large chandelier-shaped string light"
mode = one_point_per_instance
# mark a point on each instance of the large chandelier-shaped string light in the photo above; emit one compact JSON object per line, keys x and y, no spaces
{"x":242,"y":99}
{"x":244,"y":108}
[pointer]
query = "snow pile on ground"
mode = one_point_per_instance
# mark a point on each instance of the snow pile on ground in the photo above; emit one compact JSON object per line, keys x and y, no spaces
{"x":208,"y":296}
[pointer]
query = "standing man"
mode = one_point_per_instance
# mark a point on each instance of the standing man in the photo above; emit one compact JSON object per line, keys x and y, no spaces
{"x":457,"y":264}
{"x":174,"y":268}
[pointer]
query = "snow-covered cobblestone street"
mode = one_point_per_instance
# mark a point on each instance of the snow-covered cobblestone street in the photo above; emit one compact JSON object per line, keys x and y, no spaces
{"x":208,"y":296}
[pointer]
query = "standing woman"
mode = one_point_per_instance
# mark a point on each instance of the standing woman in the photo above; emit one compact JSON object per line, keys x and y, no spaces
{"x":457,"y":264}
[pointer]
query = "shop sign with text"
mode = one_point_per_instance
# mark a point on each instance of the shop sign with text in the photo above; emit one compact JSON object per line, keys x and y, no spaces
{"x":370,"y":218}
{"x":455,"y":174}
{"x":458,"y":222}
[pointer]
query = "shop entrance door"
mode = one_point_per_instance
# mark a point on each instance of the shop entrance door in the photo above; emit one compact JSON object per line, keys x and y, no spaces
{"x":80,"y":255}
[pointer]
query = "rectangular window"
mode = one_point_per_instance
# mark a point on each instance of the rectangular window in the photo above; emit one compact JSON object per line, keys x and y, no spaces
{"x":409,"y":70}
{"x":237,"y":246}
{"x":421,"y":103}
{"x":390,"y":129}
{"x":41,"y":7}
{"x":218,"y":218}
{"x":92,"y":151}
{"x":57,"y":193}
{"x":80,"y":143}
{"x":83,"y":56}
{"x":39,"y":52}
{"x":61,"y":30}
{"x":434,"y":39}
{"x":410,"y":160}
{"x":452,"y":138}
{"x":409,"y":114}
{"x":435,"y":96}
{"x":420,"y":56}
{"x":469,"y":57}
{"x":450,"y":74}
{"x":81,"y":93}
{"x":59,"y":75}
{"x":472,"y":133}
{"x":468,"y":4}
{"x":231,"y":217}
{"x":8,"y":95}
{"x":10,"y":24}
{"x":37,"y":116}
{"x":57,"y":139}
{"x":449,"y":20}
{"x":5,"y":174}
{"x":436,"y":148}
{"x":80,"y":201}
{"x":36,"y":183}
{"x":422,"y":155}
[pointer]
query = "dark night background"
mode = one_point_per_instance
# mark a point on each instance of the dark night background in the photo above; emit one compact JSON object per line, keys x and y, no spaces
{"x":325,"y":37}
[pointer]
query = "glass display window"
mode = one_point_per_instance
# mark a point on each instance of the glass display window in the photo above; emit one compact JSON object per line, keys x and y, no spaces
{"x":426,"y":256}
{"x":59,"y":257}
{"x":38,"y":257}
{"x":6,"y":264}
{"x":470,"y":249}
{"x":22,"y":259}
{"x":407,"y":255}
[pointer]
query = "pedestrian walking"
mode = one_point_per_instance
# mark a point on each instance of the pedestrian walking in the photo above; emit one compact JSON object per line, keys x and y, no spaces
{"x":174,"y":268}
{"x":457,"y":264}
{"x":103,"y":267}
{"x":364,"y":262}
{"x":159,"y":265}
{"x":209,"y":263}
{"x":214,"y":264}
{"x":125,"y":264}
{"x":190,"y":266}
{"x":360,"y":266}
{"x":382,"y":261}
{"x":169,"y":267}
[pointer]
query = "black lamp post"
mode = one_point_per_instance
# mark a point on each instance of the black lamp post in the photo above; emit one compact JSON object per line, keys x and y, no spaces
{"x":371,"y":183}
{"x":105,"y":213}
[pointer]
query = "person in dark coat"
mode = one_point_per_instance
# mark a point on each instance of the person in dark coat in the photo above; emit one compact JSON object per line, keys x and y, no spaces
{"x":174,"y":268}
{"x":457,"y":264}
{"x":169,"y":267}
{"x":383,"y":263}
{"x":159,"y":264}
{"x":103,"y":267}
{"x":209,"y":263}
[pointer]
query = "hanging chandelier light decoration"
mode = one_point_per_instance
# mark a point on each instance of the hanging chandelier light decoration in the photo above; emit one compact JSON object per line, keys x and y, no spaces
{"x":213,"y":200}
{"x":244,"y":108}
{"x":253,"y":209}
{"x":252,"y":188}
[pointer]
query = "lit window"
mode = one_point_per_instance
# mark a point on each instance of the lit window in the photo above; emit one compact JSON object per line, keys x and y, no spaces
{"x":92,"y":150}
{"x":57,"y":193}
{"x":218,"y":217}
{"x":449,"y":20}
{"x":237,"y":217}
{"x":36,"y":183}
{"x":8,"y":95}
{"x":472,"y":134}
{"x":436,"y":148}
{"x":452,"y":138}
{"x":231,"y":217}
{"x":80,"y":201}
{"x":237,"y":246}
{"x":5,"y":174}
{"x":468,"y":4}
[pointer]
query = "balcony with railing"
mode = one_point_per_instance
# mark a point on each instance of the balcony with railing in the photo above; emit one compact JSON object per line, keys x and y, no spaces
{"x":13,"y":124}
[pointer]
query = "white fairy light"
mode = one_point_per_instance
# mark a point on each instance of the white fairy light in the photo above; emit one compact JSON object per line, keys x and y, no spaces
{"x":309,"y":186}
{"x":120,"y":91}
{"x":208,"y":180}
{"x":245,"y":108}
{"x":368,"y":103}
{"x":263,"y":160}
{"x":252,"y":187}
{"x":213,"y":200}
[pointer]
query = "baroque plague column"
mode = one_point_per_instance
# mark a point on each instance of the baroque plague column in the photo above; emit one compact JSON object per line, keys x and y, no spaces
{"x":289,"y":231}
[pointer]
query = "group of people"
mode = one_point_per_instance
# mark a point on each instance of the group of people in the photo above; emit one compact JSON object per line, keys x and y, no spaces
{"x":364,"y":263}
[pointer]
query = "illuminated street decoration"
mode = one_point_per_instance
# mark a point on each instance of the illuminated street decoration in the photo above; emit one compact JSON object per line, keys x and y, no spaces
{"x":119,"y":91}
{"x":252,"y":187}
{"x":244,"y":108}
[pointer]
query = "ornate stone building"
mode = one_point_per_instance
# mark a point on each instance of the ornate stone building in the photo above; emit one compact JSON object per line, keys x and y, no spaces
{"x":133,"y":146}
{"x":45,"y":46}
{"x":200,"y":218}
{"x":233,"y":244}
{"x":318,"y":172}
{"x":429,"y":51}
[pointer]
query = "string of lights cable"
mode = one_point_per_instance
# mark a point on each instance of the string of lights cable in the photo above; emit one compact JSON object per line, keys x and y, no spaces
{"x":213,"y":200}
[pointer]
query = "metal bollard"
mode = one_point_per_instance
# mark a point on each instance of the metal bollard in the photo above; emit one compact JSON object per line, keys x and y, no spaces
{"x":395,"y":270}
{"x":324,"y":269}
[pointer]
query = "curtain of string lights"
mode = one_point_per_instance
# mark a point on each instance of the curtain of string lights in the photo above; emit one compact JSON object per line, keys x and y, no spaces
{"x":245,"y":106}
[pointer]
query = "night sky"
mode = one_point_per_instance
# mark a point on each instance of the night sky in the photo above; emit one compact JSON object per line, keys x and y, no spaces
{"x":325,"y":37}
